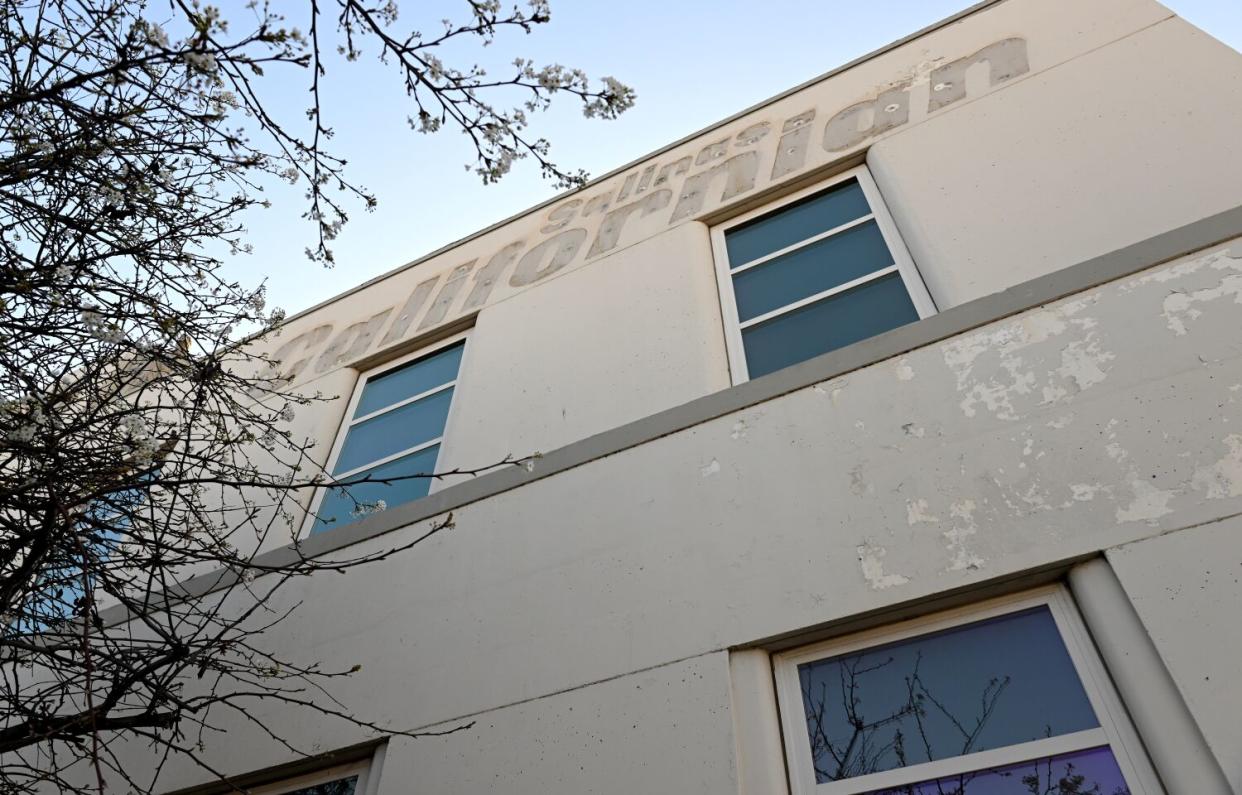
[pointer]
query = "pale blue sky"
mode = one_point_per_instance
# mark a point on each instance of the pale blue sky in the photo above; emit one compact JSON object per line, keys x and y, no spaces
{"x":692,"y":62}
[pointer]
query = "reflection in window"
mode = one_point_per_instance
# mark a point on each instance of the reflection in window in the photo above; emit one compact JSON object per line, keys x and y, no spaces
{"x":814,"y":276}
{"x":59,"y":592}
{"x":341,"y":786}
{"x":393,"y":436}
{"x":976,"y":687}
{"x":1006,"y":701}
{"x":1092,"y":772}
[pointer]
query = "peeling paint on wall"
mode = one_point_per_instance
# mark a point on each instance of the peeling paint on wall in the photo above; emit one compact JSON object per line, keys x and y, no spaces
{"x":963,"y":559}
{"x":870,"y":557}
{"x":917,"y":513}
{"x":1086,"y":492}
{"x":739,"y":430}
{"x":1061,"y":422}
{"x":1222,"y":478}
{"x":1181,"y":307}
{"x":858,"y":482}
{"x":1072,"y":454}
{"x":1149,"y":503}
{"x":1083,"y":359}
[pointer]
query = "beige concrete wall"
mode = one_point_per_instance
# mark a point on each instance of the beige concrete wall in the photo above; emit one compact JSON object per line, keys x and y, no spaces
{"x":1124,"y":142}
{"x":1088,"y":424}
{"x":599,"y":308}
{"x":654,"y":731}
{"x":607,"y":344}
{"x":1187,"y":589}
{"x":612,"y":590}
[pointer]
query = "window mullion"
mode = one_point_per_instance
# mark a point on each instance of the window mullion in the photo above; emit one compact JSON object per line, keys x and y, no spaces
{"x":811,"y":299}
{"x":970,"y":763}
{"x":802,"y":243}
{"x":405,"y":402}
{"x":388,"y":458}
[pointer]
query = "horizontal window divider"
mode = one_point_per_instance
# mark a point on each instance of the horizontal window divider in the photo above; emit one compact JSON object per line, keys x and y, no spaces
{"x":810,"y":299}
{"x":386,"y":459}
{"x":405,"y":402}
{"x":801,"y":243}
{"x":1033,"y":751}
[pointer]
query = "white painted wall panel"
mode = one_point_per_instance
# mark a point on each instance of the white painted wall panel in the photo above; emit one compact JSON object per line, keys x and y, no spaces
{"x":612,"y":589}
{"x":664,"y":730}
{"x":1187,"y":589}
{"x":1052,"y":33}
{"x":1115,"y":146}
{"x":1043,"y":437}
{"x":620,"y":339}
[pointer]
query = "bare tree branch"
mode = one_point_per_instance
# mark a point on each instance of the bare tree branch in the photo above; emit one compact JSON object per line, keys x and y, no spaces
{"x":142,"y":442}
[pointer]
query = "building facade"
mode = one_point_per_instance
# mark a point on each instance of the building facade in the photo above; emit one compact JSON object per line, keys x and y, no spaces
{"x":887,"y":433}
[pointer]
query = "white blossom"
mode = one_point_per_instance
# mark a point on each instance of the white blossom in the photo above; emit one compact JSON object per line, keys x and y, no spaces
{"x":368,"y":508}
{"x":24,"y":433}
{"x":485,"y":8}
{"x":201,"y":61}
{"x":144,"y":451}
{"x":156,"y":36}
{"x":435,"y":67}
{"x":95,"y":326}
{"x":426,"y":122}
{"x":134,"y":426}
{"x":616,"y":98}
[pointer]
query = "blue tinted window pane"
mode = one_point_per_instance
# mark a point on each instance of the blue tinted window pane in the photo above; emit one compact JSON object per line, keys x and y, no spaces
{"x":866,"y":310}
{"x":394,"y":431}
{"x":342,"y":786}
{"x":1092,"y":772}
{"x":820,"y":266}
{"x":973,"y":688}
{"x":795,"y":222}
{"x":341,"y":505}
{"x":59,"y":589}
{"x":409,"y":380}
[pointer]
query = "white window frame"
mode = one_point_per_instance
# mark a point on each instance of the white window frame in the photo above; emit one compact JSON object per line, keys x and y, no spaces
{"x":348,"y":420}
{"x":903,"y":263}
{"x":361,"y":769}
{"x":1114,"y":731}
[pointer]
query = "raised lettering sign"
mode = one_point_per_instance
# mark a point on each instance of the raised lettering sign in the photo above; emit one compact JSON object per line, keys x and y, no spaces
{"x":721,"y":170}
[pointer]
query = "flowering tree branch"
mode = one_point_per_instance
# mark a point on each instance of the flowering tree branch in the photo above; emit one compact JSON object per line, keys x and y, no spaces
{"x":140,"y":442}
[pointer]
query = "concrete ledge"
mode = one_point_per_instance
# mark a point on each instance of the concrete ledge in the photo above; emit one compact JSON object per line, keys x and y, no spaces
{"x":952,"y":322}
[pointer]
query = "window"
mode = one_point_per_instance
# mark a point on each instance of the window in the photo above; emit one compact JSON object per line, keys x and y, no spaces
{"x":824,"y":270}
{"x":1004,"y":700}
{"x":395,"y":425}
{"x":340,"y":780}
{"x":59,"y":592}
